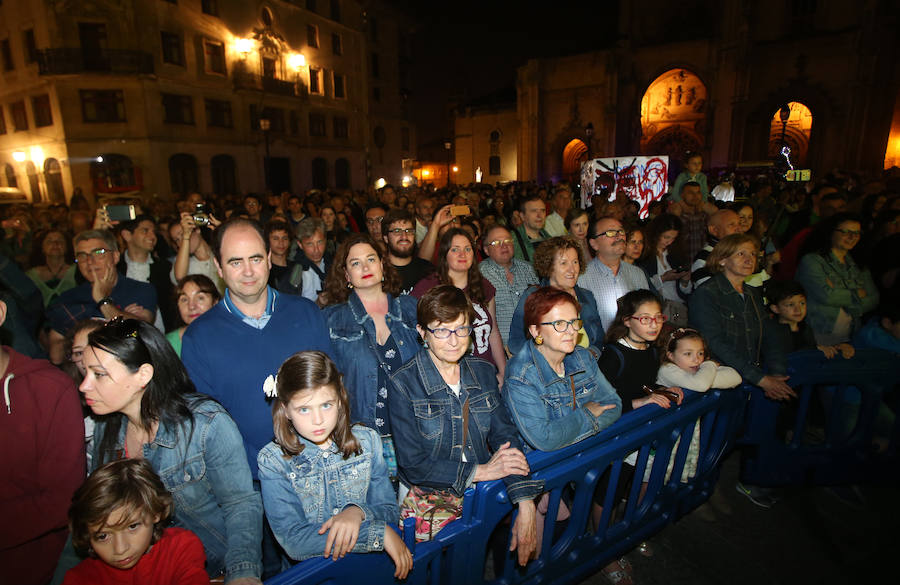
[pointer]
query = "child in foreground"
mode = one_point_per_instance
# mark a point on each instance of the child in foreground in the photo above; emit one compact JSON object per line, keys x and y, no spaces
{"x":325,"y":485}
{"x":118,"y":518}
{"x":787,"y":301}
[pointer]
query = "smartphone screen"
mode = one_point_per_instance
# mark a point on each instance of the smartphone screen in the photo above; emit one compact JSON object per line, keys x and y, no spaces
{"x":120,"y":212}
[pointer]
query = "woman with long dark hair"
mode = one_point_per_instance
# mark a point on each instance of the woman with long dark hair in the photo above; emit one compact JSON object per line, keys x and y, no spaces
{"x":147,"y":407}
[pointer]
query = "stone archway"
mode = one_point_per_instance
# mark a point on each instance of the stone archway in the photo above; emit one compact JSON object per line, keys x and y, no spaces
{"x":573,"y":155}
{"x":673,"y":114}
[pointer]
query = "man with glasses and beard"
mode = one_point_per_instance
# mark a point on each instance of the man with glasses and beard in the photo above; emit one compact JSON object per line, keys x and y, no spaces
{"x":399,"y":232}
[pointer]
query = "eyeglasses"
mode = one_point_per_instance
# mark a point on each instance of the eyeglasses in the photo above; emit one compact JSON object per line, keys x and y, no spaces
{"x":561,"y":325}
{"x":121,"y":327}
{"x":497,"y":243}
{"x":611,"y":233}
{"x":444,"y":333}
{"x":647,"y":319}
{"x":398,"y":231}
{"x":97,"y":253}
{"x":852,"y":233}
{"x":374,"y":220}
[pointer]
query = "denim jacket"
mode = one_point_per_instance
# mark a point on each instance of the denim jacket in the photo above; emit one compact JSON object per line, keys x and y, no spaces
{"x":589,"y":314}
{"x":426,"y":418}
{"x":541,"y":403}
{"x":301,"y":492}
{"x":353,"y":339}
{"x":737,"y":328}
{"x":205,"y":468}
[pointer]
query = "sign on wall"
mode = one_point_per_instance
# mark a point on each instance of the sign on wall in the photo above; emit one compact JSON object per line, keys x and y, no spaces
{"x":641,"y":178}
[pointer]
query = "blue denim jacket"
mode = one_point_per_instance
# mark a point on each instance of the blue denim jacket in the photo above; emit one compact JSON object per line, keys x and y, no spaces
{"x":589,"y":314}
{"x":737,"y":328}
{"x":426,"y":418}
{"x":541,"y":403}
{"x":353,"y":339}
{"x":301,"y":492}
{"x":207,"y":472}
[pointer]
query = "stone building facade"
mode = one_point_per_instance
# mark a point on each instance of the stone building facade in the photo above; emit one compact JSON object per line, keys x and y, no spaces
{"x":221,"y":96}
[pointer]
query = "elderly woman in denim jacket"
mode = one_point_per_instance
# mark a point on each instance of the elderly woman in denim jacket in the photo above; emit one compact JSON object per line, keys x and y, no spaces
{"x":372,"y":328}
{"x":559,"y":262}
{"x":733,"y":319}
{"x":838,"y":291}
{"x":150,"y":409}
{"x":432,"y":393}
{"x":554,"y":389}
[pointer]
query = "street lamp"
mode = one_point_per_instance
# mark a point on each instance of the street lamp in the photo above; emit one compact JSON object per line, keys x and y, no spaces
{"x":264,"y":125}
{"x":589,"y":133}
{"x":447,"y":146}
{"x":784,"y":114}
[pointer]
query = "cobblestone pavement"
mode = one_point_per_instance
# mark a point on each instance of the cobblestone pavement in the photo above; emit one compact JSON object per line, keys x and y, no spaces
{"x":810,"y":537}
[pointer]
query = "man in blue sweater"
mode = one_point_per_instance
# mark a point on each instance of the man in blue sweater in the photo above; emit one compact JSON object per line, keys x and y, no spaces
{"x":233,"y":351}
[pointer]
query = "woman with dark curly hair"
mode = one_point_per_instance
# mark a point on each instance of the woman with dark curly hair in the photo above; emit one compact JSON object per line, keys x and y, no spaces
{"x":372,"y":328}
{"x":456,"y":266}
{"x":559,"y":262}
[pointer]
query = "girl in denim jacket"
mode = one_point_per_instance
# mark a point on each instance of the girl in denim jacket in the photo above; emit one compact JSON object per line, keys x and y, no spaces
{"x":325,"y":486}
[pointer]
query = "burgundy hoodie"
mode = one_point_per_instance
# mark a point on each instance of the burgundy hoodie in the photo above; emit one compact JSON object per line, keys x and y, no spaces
{"x":41,"y":466}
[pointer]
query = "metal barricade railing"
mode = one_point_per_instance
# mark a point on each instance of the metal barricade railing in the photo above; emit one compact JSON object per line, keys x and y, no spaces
{"x":839,"y":430}
{"x":462,"y":552}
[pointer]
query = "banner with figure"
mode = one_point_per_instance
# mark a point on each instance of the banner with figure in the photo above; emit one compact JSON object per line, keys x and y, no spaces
{"x":641,"y":178}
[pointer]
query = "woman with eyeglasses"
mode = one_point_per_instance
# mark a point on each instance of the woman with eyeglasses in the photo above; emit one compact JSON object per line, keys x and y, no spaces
{"x":148,"y":407}
{"x":732,"y":317}
{"x":558,"y":262}
{"x":456,"y":265}
{"x":839,"y":292}
{"x":450,"y":426}
{"x":372,"y":328}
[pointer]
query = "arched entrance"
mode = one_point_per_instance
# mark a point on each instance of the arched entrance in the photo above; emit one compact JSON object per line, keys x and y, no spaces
{"x":342,"y":173}
{"x":33,"y":182}
{"x":319,"y":173}
{"x":183,"y":173}
{"x":795,"y":132}
{"x":574,"y":154}
{"x":11,"y":180}
{"x":673,"y":114}
{"x":114,"y":173}
{"x":53,"y":178}
{"x":224,"y":176}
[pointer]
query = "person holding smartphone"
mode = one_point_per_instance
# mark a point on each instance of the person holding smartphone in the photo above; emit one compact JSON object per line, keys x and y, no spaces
{"x":666,"y":267}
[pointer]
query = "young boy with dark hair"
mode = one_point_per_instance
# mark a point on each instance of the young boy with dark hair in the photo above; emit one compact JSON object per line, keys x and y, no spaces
{"x":787,"y":301}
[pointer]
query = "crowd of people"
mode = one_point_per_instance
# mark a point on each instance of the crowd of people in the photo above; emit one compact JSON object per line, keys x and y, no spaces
{"x":238,"y":384}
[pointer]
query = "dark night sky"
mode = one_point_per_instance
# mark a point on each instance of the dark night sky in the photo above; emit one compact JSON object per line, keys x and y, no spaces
{"x":466,"y":49}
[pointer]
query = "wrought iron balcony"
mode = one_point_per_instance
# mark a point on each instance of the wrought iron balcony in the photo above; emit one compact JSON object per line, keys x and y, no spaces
{"x":76,"y":60}
{"x":244,"y":80}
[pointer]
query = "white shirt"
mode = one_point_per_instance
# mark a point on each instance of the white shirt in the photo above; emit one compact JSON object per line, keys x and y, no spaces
{"x":555,"y":225}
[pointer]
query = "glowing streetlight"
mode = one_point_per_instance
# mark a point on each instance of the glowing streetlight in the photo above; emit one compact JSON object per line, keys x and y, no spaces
{"x":455,"y":169}
{"x":37,"y":155}
{"x":380,"y":183}
{"x":425,"y":172}
{"x":296,"y":61}
{"x":19,"y":156}
{"x":244,"y":47}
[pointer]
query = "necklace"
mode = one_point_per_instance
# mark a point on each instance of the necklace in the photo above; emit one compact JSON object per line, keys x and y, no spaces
{"x":631,"y":342}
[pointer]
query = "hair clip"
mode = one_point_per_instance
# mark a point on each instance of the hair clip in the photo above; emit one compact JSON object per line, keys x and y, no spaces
{"x":270,"y":386}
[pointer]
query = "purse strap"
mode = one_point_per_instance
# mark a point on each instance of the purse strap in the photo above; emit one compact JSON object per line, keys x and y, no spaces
{"x":465,"y":422}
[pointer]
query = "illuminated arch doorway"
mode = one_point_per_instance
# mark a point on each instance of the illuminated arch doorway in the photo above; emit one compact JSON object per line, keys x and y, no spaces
{"x":574,"y":154}
{"x":673,"y":114}
{"x":796,"y":133}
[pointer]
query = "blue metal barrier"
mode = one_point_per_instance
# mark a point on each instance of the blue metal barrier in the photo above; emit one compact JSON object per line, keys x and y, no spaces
{"x":826,"y":436}
{"x":460,"y":552}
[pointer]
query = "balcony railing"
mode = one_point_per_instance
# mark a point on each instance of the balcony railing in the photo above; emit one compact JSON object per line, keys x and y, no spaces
{"x":243,"y":80}
{"x":76,"y":60}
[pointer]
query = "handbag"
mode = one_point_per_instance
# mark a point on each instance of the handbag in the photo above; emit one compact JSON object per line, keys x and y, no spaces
{"x":434,"y":509}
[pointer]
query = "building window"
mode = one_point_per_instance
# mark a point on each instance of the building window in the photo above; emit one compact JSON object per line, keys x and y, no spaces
{"x":316,"y":124}
{"x":177,"y":109}
{"x":315,"y":80}
{"x":376,"y":94}
{"x":275,"y":116}
{"x":342,"y":173}
{"x":102,"y":105}
{"x":2,"y":122}
{"x":210,"y":7}
{"x":268,"y":67}
{"x":183,"y":174}
{"x":319,"y":173}
{"x":373,"y":29}
{"x":40,"y":107}
{"x":30,"y":46}
{"x":6,"y":54}
{"x":494,"y":160}
{"x":172,"y":48}
{"x":336,"y":46}
{"x":214,"y":51}
{"x":218,"y":114}
{"x":341,"y":127}
{"x":494,"y":164}
{"x":312,"y":36}
{"x":11,"y":180}
{"x":18,"y":115}
{"x":311,"y":5}
{"x":376,"y":70}
{"x":404,"y":138}
{"x":336,"y":10}
{"x":294,"y":121}
{"x":224,"y":174}
{"x":339,"y":91}
{"x":266,"y":16}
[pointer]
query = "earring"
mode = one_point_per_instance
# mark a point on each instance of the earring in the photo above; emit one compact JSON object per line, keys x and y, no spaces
{"x":425,"y":343}
{"x":350,"y":285}
{"x":539,"y":340}
{"x":382,"y":279}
